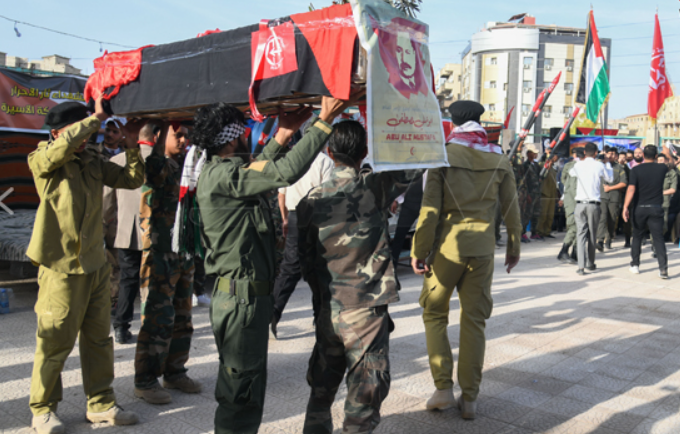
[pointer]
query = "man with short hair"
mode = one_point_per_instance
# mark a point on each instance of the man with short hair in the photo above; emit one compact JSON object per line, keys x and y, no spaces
{"x":588,"y":174}
{"x":610,"y":202}
{"x":645,"y":193}
{"x":67,"y":242}
{"x":629,"y":156}
{"x":344,"y":248}
{"x":166,"y":277}
{"x":454,"y":248}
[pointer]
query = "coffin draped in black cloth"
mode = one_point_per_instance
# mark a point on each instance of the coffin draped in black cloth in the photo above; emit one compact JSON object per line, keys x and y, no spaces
{"x":184,"y":75}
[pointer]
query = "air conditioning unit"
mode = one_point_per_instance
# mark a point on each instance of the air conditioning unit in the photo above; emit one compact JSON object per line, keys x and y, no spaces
{"x":525,"y":114}
{"x":548,"y":67}
{"x":527,"y":66}
{"x":568,"y":91}
{"x":546,"y":115}
{"x":570,"y":68}
{"x":527,"y":89}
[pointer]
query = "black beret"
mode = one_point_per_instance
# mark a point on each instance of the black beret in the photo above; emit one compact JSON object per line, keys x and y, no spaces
{"x":464,"y":111}
{"x":64,"y":114}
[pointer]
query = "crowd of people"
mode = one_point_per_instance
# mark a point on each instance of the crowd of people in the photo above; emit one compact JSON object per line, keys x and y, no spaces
{"x":183,"y":211}
{"x":597,"y":195}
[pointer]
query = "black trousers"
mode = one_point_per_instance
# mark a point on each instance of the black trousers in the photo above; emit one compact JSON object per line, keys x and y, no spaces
{"x":410,"y":210}
{"x":652,"y":218}
{"x":289,"y":270}
{"x":130,"y":261}
{"x":202,"y":281}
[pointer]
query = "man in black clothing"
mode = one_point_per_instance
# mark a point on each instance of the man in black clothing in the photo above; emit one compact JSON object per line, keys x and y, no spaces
{"x":646,"y":191}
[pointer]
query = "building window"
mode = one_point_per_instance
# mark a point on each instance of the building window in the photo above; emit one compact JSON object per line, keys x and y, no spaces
{"x":505,"y":86}
{"x":569,"y":63}
{"x":526,"y":108}
{"x":548,"y":63}
{"x":566,"y":110}
{"x":528,"y":61}
{"x":493,"y":61}
{"x":569,"y":87}
{"x":492,"y":84}
{"x":547,"y":109}
{"x":492,"y":107}
{"x":526,"y":85}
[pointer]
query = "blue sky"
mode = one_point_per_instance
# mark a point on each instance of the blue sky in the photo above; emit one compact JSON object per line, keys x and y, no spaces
{"x":629,"y":23}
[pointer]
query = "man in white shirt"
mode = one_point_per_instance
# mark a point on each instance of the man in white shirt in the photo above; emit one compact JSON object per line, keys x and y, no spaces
{"x":588,"y":173}
{"x":289,"y":272}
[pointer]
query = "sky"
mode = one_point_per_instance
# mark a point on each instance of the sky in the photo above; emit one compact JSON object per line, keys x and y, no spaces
{"x":134,"y":23}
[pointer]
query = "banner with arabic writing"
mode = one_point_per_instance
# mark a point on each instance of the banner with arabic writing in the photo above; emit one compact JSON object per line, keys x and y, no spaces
{"x":25,"y":99}
{"x":402,"y":112}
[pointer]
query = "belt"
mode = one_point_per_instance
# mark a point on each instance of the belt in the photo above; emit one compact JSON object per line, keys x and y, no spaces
{"x":588,"y":202}
{"x":255,"y":288}
{"x":649,"y":206}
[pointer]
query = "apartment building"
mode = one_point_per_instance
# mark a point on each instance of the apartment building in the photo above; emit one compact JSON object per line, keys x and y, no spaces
{"x":49,"y":64}
{"x":448,"y":81}
{"x":508,"y":64}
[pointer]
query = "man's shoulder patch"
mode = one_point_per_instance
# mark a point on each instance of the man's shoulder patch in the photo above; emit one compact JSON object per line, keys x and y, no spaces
{"x":257,"y":166}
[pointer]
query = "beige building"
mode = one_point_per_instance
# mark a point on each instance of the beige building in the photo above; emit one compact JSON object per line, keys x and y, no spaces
{"x":641,"y":125}
{"x":52,"y":64}
{"x":508,"y":64}
{"x":449,"y":84}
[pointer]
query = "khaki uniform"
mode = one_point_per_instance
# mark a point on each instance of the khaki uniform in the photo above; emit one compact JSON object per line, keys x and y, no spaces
{"x":240,"y":243}
{"x":670,"y":182}
{"x":67,"y":243}
{"x":610,"y":204}
{"x":110,"y":224}
{"x":459,"y":203}
{"x":548,"y":199}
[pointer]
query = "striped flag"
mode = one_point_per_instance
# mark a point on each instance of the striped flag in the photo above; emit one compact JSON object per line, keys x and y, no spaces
{"x":593,"y":90}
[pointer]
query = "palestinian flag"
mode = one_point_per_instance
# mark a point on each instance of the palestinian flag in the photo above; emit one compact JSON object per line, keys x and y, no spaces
{"x":593,"y":89}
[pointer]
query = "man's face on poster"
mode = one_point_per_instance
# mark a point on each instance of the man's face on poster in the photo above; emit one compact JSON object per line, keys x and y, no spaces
{"x":406,"y":56}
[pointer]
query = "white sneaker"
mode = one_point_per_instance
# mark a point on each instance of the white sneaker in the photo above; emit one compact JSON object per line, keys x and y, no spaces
{"x":194,"y":301}
{"x":634,"y":269}
{"x":203,"y":300}
{"x":441,"y":400}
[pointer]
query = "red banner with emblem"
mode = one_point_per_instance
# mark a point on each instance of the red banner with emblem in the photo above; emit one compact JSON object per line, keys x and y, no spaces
{"x":659,"y":86}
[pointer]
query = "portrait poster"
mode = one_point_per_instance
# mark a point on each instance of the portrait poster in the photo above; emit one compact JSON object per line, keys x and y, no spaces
{"x":25,"y":99}
{"x":402,"y":112}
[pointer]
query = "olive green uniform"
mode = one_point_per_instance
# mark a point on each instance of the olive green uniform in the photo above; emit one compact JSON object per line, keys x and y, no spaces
{"x":669,"y":182}
{"x":459,"y":204}
{"x":569,"y":183}
{"x":240,"y":248}
{"x":610,"y":204}
{"x":67,"y":243}
{"x":548,"y":199}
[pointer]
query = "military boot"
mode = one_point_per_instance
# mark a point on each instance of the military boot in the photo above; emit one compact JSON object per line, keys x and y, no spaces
{"x":564,"y":254}
{"x":441,"y":399}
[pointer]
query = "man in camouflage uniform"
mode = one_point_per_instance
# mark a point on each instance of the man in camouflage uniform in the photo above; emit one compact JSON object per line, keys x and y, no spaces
{"x":166,"y":278}
{"x":610,"y":201}
{"x":345,"y":257}
{"x":569,"y":202}
{"x":531,"y":207}
{"x":670,"y":183}
{"x":240,"y":245}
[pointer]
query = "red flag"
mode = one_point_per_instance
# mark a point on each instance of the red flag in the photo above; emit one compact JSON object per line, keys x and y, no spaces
{"x":659,"y":86}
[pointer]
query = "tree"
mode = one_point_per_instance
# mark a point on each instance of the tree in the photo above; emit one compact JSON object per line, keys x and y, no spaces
{"x":409,"y":7}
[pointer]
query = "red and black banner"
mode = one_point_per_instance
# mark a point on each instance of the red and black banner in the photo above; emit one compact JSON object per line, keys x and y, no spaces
{"x":311,"y":53}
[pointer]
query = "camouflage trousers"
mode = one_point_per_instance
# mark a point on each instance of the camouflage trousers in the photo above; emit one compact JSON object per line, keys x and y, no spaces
{"x":164,"y":339}
{"x":356,"y":341}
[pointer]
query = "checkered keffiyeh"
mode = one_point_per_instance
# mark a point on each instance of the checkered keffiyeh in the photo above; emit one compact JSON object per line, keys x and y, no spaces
{"x":229,"y":133}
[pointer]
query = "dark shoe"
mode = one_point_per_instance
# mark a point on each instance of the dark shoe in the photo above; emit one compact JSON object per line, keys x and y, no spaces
{"x":654,"y":255}
{"x":609,"y":245}
{"x":525,"y":239}
{"x":563,"y":256}
{"x":573,"y":258}
{"x":591,"y":267}
{"x":600,"y":246}
{"x":274,"y":324}
{"x":663,"y":274}
{"x":580,"y":272}
{"x":123,"y":336}
{"x":627,"y":244}
{"x":549,"y":236}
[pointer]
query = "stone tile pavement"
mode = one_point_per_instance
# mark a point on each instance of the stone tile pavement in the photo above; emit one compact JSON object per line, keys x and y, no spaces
{"x":598,"y":354}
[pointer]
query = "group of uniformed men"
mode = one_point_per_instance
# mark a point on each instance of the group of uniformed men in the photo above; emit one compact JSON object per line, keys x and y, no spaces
{"x":344,"y":254}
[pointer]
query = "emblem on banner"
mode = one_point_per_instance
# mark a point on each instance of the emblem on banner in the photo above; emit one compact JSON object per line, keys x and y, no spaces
{"x":657,"y":78}
{"x":274,"y":52}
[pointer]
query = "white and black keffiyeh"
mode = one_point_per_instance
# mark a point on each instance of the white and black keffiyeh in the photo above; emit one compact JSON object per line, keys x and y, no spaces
{"x":229,"y":133}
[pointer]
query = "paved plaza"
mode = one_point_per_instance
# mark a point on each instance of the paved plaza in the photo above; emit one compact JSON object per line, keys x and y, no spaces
{"x":565,"y":354}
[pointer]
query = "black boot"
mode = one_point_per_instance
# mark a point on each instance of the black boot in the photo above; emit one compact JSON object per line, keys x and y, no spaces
{"x":276,"y":317}
{"x":573,"y":259}
{"x":600,"y":246}
{"x":627,"y":244}
{"x":564,"y":254}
